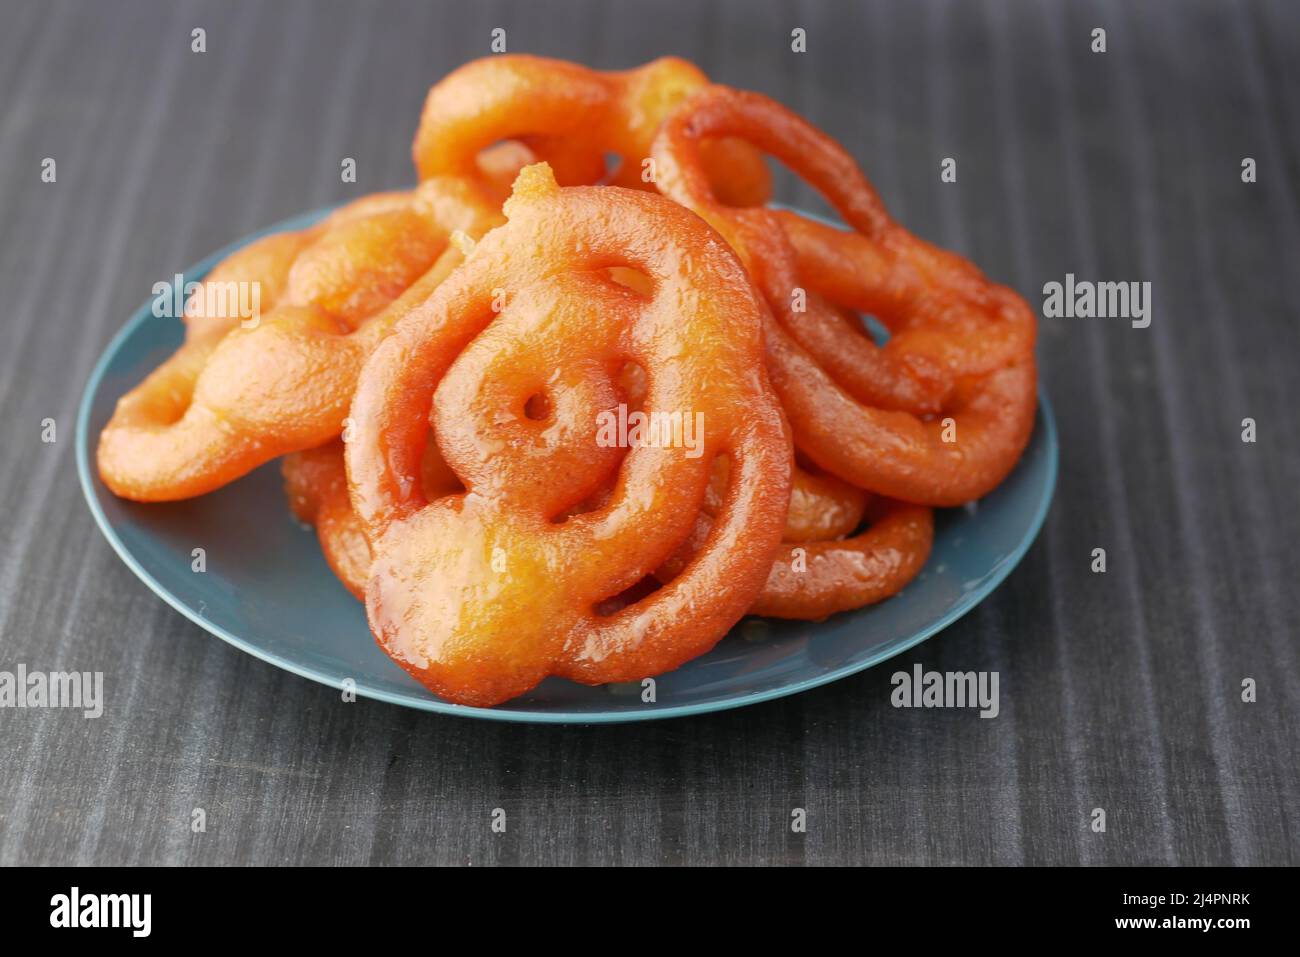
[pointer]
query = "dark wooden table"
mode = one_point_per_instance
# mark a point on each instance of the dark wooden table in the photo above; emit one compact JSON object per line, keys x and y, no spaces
{"x":1120,"y":691}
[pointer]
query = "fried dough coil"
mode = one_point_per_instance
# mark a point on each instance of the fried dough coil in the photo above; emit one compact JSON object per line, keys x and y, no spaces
{"x":938,"y":416}
{"x":827,"y":562}
{"x":481,"y":595}
{"x":227,"y":403}
{"x":572,"y":117}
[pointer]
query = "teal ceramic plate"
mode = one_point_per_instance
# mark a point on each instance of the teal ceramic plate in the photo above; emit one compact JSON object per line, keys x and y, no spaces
{"x":267,"y":589}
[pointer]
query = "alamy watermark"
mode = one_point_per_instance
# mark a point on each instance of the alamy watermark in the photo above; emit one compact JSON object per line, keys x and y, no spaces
{"x":619,"y":428}
{"x":946,"y":689}
{"x":82,"y":690}
{"x":75,"y":909}
{"x":209,"y":300}
{"x":1083,"y":299}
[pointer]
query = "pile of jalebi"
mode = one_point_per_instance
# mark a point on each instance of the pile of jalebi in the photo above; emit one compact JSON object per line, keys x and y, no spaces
{"x":584,"y":431}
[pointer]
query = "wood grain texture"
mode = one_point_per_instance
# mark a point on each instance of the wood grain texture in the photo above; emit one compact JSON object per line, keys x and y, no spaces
{"x":1119,"y":691}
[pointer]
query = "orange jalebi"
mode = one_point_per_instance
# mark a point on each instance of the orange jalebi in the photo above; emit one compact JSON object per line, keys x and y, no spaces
{"x":825,"y":563}
{"x":940,"y":415}
{"x":481,"y":595}
{"x":231,"y":399}
{"x":815,"y":578}
{"x":572,"y":117}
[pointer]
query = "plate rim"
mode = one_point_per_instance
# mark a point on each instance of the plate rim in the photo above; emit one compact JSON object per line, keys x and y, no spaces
{"x":436,"y":705}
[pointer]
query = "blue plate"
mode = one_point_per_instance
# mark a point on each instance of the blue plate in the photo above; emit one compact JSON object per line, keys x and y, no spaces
{"x":267,"y":589}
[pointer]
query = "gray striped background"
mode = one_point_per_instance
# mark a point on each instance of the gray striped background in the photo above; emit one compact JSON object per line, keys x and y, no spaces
{"x":1119,"y":691}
